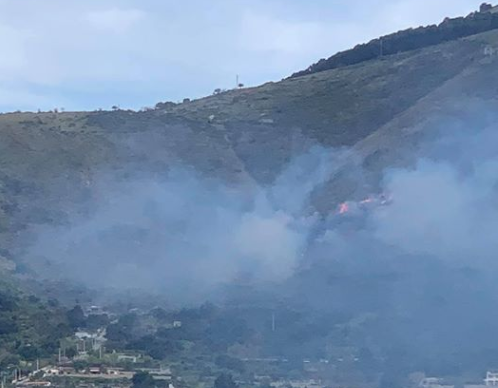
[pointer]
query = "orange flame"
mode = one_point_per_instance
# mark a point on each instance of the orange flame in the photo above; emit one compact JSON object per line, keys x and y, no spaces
{"x":377,"y":200}
{"x":343,"y":208}
{"x":367,"y":201}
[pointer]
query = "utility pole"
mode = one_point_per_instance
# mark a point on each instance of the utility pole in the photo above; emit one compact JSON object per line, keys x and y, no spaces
{"x":272,"y":321}
{"x":60,"y":355}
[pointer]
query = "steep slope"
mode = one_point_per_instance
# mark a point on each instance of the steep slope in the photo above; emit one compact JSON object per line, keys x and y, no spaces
{"x":29,"y":327}
{"x":403,"y":41}
{"x":465,"y":104}
{"x":54,"y":166}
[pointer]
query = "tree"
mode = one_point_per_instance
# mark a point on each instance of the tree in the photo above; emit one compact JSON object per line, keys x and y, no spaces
{"x":96,"y":321}
{"x":143,"y":380}
{"x":29,"y":352}
{"x":227,"y":362}
{"x":225,"y":380}
{"x":80,"y":365}
{"x":76,"y":317}
{"x":71,"y":352}
{"x":485,"y":7}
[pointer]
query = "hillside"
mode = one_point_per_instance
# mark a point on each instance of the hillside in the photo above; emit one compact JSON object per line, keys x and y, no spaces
{"x":56,"y":166}
{"x":30,"y":327}
{"x":412,"y":39}
{"x":355,"y":297}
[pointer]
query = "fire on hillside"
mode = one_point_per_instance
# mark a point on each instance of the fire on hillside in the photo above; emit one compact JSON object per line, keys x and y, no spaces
{"x":369,"y":202}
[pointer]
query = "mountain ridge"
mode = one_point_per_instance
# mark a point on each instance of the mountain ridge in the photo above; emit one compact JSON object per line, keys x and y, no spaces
{"x":484,"y":20}
{"x":53,"y":164}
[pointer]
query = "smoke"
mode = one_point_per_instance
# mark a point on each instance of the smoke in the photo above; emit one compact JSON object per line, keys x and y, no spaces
{"x":421,"y":266}
{"x":184,"y":235}
{"x":446,"y":206}
{"x":410,"y":270}
{"x":440,"y":211}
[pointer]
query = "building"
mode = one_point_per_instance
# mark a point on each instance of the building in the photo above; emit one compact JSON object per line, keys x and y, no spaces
{"x":83,"y":335}
{"x":66,"y":370}
{"x":491,"y":378}
{"x":52,"y":371}
{"x":489,"y":51}
{"x":310,"y":383}
{"x":95,"y":310}
{"x":27,"y":384}
{"x":433,"y":382}
{"x":94,"y":370}
{"x":127,"y":358}
{"x":474,"y":386}
{"x":159,"y":374}
{"x":490,"y":381}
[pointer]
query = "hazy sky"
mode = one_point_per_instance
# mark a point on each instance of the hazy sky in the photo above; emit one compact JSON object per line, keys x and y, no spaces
{"x":98,"y":53}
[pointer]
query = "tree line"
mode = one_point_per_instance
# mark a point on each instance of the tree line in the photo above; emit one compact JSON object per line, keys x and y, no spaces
{"x":408,"y":40}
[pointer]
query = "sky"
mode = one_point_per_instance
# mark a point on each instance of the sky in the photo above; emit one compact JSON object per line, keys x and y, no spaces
{"x":94,"y":54}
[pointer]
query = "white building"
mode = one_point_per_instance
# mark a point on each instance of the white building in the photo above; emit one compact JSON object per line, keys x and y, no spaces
{"x":491,"y":378}
{"x":433,"y":382}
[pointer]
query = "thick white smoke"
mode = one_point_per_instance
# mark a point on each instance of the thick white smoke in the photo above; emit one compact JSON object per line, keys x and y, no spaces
{"x":184,"y":235}
{"x":445,"y":207}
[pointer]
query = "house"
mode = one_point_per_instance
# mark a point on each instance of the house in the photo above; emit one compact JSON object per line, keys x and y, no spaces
{"x":66,"y":370}
{"x":94,"y":370}
{"x":34,"y":384}
{"x":82,"y":335}
{"x":159,"y":374}
{"x":119,"y":373}
{"x":114,"y":371}
{"x":489,"y":51}
{"x":490,"y":381}
{"x":310,"y":383}
{"x":491,"y":378}
{"x":95,"y":310}
{"x":127,"y":358}
{"x":474,"y":386}
{"x":433,"y":382}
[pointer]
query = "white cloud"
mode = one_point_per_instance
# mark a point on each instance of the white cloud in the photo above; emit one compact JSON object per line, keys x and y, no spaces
{"x":21,"y":98}
{"x":401,"y":14}
{"x":263,"y":32}
{"x":149,"y":50}
{"x":115,"y":19}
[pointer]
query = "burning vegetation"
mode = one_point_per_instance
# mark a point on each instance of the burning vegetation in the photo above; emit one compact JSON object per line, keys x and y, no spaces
{"x":366,"y":204}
